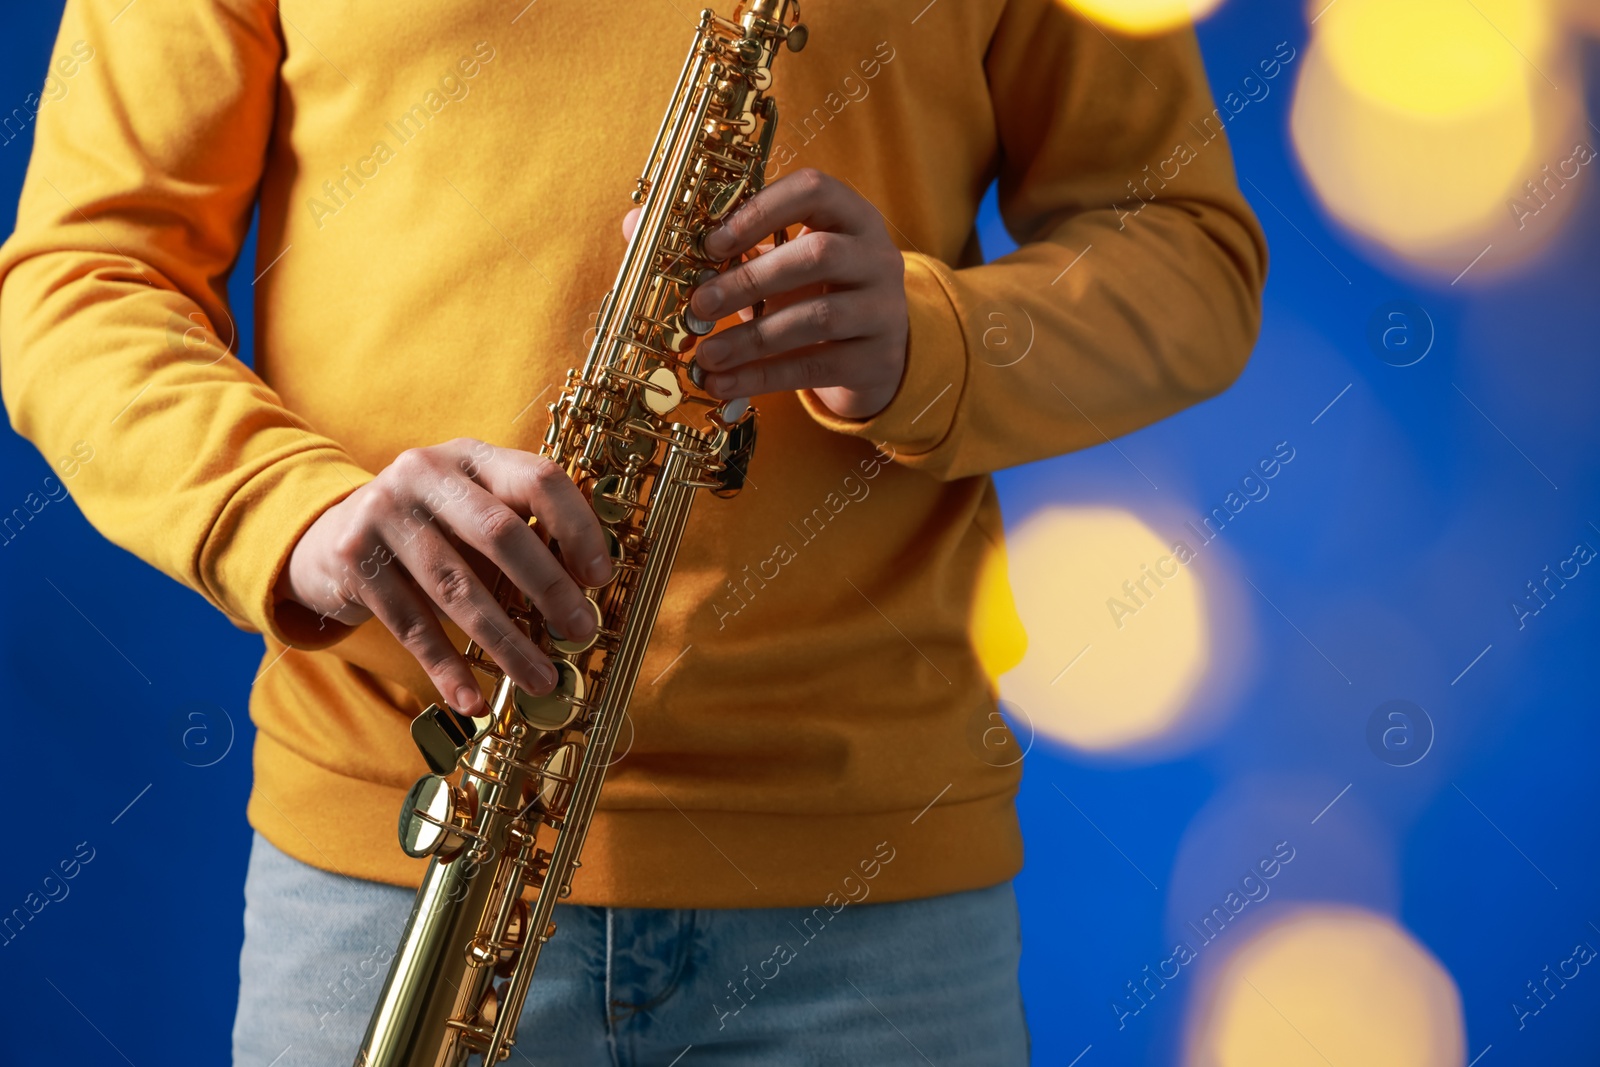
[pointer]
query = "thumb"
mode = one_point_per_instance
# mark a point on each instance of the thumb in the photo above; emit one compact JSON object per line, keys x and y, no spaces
{"x":630,"y":222}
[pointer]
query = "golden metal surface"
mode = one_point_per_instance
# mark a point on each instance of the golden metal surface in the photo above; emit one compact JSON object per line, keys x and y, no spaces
{"x":556,"y":709}
{"x":639,"y":436}
{"x":572,"y":646}
{"x":670,"y":395}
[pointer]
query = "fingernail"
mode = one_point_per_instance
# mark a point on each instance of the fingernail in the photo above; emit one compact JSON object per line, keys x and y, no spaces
{"x":467,"y":699}
{"x":598,"y":569}
{"x":709,"y":296}
{"x":717,"y":240}
{"x":580,"y":623}
{"x":720,"y":384}
{"x":547,"y":675}
{"x":712,"y":351}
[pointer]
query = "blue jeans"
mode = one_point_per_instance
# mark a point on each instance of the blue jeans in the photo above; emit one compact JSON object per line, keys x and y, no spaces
{"x":916,"y":982}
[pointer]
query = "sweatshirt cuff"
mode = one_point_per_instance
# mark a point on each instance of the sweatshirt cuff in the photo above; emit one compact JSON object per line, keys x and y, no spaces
{"x":251,"y":545}
{"x":923,"y":409}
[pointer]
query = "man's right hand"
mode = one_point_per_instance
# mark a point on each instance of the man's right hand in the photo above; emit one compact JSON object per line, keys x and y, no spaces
{"x":398,"y":548}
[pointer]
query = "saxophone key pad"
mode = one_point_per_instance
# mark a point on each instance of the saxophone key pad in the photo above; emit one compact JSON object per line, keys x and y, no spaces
{"x":560,"y":769}
{"x":430,"y":801}
{"x":608,"y":511}
{"x":694,"y":323}
{"x":556,"y":709}
{"x":668,"y":393}
{"x":689,"y":320}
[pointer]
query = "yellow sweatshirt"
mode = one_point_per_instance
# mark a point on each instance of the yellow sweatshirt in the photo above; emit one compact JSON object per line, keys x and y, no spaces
{"x":441,"y":188}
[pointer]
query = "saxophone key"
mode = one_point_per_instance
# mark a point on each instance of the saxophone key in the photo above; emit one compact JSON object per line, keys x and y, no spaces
{"x":615,"y":551}
{"x":488,"y":1008}
{"x":574,"y":645}
{"x":728,"y":193}
{"x":667,"y":394}
{"x":511,"y":945}
{"x":441,"y":734}
{"x":432,"y":814}
{"x":609,"y":504}
{"x":557,"y":778}
{"x":557,"y":708}
{"x":694,"y":324}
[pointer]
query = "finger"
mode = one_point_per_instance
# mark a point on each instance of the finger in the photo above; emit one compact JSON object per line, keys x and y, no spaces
{"x":807,"y":196}
{"x":401,"y":607}
{"x":447,"y":580}
{"x":536,"y":485}
{"x":818,"y":367}
{"x":815,"y":258}
{"x":481,"y":495}
{"x":487,"y":570}
{"x":630,"y":222}
{"x":485,"y":523}
{"x":830,"y":317}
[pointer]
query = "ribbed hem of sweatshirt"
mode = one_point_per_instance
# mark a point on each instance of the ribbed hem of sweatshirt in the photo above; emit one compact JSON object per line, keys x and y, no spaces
{"x":666,"y":858}
{"x":923,"y":409}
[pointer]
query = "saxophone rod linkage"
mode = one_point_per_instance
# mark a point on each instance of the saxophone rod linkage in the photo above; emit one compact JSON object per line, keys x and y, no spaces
{"x":597,"y":756}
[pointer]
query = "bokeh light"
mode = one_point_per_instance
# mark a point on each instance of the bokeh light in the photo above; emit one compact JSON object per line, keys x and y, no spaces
{"x":1329,"y":985}
{"x":1143,"y":17}
{"x":1379,"y":169}
{"x":1418,"y":124}
{"x":998,"y":636}
{"x":1116,"y":628}
{"x":1434,"y":57}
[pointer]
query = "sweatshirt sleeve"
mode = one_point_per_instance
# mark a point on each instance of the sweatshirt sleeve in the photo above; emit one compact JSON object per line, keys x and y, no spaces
{"x":1136,"y":287}
{"x":116,"y":338}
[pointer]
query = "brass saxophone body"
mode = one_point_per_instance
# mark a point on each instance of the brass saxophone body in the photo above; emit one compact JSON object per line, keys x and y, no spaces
{"x":503,"y":816}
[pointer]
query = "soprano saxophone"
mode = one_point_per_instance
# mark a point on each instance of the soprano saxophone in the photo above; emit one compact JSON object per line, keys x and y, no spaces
{"x":503,"y":816}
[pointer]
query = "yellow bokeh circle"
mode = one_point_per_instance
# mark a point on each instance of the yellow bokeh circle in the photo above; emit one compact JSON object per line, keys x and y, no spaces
{"x":998,"y":636}
{"x":1329,"y":985}
{"x":1426,"y":125}
{"x":1116,"y":629}
{"x":1143,"y":17}
{"x":1434,"y":57}
{"x":1414,"y":182}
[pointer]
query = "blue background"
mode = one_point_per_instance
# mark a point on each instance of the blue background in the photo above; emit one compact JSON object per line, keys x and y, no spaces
{"x":1404,"y":528}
